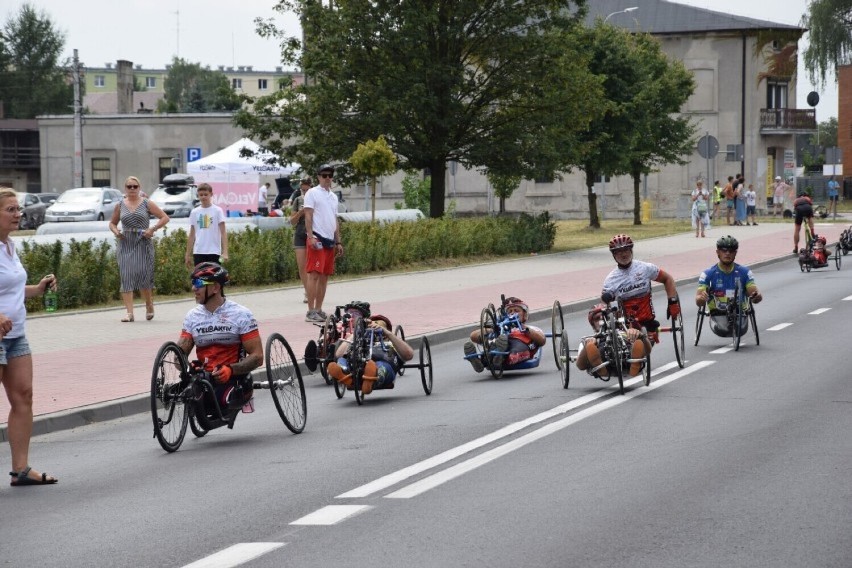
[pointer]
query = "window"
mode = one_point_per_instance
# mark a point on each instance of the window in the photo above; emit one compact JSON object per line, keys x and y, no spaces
{"x":237,"y":83}
{"x":776,"y":94}
{"x":99,"y":80}
{"x":261,"y":84}
{"x":150,"y":82}
{"x":165,"y":166}
{"x":101,"y":175}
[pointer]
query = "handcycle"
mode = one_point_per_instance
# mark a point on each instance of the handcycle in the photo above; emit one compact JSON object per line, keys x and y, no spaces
{"x":845,"y":241}
{"x":739,"y":312}
{"x":184,"y":394}
{"x":365,"y":341}
{"x":336,"y":327}
{"x":809,"y":257}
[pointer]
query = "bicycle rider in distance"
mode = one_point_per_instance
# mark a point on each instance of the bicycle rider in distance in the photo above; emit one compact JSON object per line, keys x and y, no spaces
{"x":220,"y":330}
{"x":631,"y":281}
{"x":717,"y":284}
{"x":803,"y":208}
{"x":522,"y":342}
{"x":389,"y":354}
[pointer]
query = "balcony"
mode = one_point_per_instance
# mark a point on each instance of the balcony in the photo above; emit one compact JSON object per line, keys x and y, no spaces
{"x":787,"y":121}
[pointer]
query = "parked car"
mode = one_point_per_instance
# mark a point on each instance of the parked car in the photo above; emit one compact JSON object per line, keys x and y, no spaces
{"x":34,"y":205}
{"x":84,"y":204}
{"x":177,"y":196}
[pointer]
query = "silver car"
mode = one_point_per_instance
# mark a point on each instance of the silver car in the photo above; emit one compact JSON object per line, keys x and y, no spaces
{"x":83,"y":204}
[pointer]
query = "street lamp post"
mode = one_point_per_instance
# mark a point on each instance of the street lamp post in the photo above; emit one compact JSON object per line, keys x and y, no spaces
{"x":626,"y":10}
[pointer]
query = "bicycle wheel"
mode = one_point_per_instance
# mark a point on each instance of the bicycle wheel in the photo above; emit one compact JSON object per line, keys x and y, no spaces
{"x":837,"y":256}
{"x":738,"y":314}
{"x":425,"y":365}
{"x":616,"y":354}
{"x":564,"y":359}
{"x":400,"y":333}
{"x":168,"y":407}
{"x":646,"y":370}
{"x":285,"y":383}
{"x":699,"y":323}
{"x":753,"y":318}
{"x":358,"y":357}
{"x":679,"y":343}
{"x":557,"y":324}
{"x":488,"y":332}
{"x":325,"y":351}
{"x":198,"y":430}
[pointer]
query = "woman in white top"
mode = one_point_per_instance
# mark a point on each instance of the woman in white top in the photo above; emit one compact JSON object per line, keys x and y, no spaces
{"x":700,"y":209}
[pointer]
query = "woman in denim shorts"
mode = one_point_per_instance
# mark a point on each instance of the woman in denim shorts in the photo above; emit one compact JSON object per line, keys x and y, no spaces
{"x":16,"y":361}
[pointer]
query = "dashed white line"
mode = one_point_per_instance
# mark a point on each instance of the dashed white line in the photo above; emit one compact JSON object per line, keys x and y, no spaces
{"x":818,"y":312}
{"x":778,"y":327}
{"x":846,"y":299}
{"x":236,"y":555}
{"x":330,"y":515}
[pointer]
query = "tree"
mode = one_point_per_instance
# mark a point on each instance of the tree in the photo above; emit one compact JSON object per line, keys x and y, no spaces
{"x":830,"y":45}
{"x":504,"y":186}
{"x":32,"y":80}
{"x":499,"y":85}
{"x":372,"y":159}
{"x":192,"y":88}
{"x":826,"y":136}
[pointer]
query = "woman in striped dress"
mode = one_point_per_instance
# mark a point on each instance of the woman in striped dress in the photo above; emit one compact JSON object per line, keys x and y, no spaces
{"x":135,"y":247}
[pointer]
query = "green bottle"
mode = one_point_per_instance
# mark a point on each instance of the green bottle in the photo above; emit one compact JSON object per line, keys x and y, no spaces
{"x":51,"y":301}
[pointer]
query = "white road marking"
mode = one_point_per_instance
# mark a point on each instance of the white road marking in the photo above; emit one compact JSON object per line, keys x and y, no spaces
{"x":779,"y":327}
{"x":459,"y":469}
{"x":846,"y":299}
{"x":722,"y":350}
{"x":818,"y":312}
{"x":330,"y":515}
{"x":451,"y":454}
{"x":236,"y":555}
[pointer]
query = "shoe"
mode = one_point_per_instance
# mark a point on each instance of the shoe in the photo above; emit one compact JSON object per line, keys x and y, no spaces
{"x":22,"y":478}
{"x":335,"y":371}
{"x":305,"y":300}
{"x":748,"y":224}
{"x":309,"y":317}
{"x":476,"y":362}
{"x":314,"y":316}
{"x":795,"y":252}
{"x":500,"y":344}
{"x":322,"y":315}
{"x":369,"y":377}
{"x":127,"y":318}
{"x":754,"y":224}
{"x":149,"y":311}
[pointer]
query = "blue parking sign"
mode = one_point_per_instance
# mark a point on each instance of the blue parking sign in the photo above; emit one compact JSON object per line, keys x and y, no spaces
{"x":193,"y":154}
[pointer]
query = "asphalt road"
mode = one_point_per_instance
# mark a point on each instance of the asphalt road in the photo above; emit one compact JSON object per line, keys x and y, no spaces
{"x":741,"y":459}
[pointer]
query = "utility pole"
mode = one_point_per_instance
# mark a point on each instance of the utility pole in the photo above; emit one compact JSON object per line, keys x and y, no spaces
{"x":77,"y":165}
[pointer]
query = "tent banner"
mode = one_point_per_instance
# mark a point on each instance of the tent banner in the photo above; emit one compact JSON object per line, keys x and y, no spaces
{"x":231,"y":192}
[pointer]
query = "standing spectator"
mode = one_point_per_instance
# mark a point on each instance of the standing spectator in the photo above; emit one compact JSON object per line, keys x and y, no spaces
{"x":262,"y":192}
{"x":730,"y":199}
{"x":297,"y":219}
{"x":778,"y":196}
{"x":16,"y":361}
{"x":700,"y":208}
{"x":717,"y":200}
{"x":208,"y":239}
{"x":739,"y":192}
{"x":323,"y":240}
{"x":751,"y":204}
{"x":833,"y":195}
{"x":135,"y":247}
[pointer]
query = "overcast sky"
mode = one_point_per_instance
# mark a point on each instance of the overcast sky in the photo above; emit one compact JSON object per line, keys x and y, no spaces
{"x":221,"y":32}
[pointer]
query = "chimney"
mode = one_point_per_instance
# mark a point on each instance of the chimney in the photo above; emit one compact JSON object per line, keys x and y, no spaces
{"x":125,"y":86}
{"x":108,"y":65}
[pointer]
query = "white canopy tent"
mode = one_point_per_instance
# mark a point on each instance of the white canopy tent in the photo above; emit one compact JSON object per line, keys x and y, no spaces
{"x":234,"y":178}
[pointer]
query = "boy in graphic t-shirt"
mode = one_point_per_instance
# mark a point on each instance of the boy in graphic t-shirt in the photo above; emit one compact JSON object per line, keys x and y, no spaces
{"x":208,"y":240}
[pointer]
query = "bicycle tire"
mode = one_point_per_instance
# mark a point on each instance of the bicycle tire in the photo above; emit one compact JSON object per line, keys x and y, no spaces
{"x":565,"y":368}
{"x":326,"y":351}
{"x":488,"y":332}
{"x":679,"y":343}
{"x":837,"y":256}
{"x":426,"y":365}
{"x":646,"y":370}
{"x":699,"y":323}
{"x":737,"y":326}
{"x":358,"y":356}
{"x":285,"y":383}
{"x":198,"y":430}
{"x":400,"y":333}
{"x":168,"y":407}
{"x":616,"y":353}
{"x":753,"y":318}
{"x":557,"y":325}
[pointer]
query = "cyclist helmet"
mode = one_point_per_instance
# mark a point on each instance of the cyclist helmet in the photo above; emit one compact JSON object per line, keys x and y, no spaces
{"x":210,"y":272}
{"x":383,"y":320}
{"x":595,"y":311}
{"x":619,"y":242}
{"x":513,"y":302}
{"x":363,"y":308}
{"x":727,"y":242}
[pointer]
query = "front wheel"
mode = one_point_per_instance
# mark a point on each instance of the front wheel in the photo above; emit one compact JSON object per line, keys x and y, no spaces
{"x":564,"y":359}
{"x":285,"y":383}
{"x":168,"y":406}
{"x":679,"y":343}
{"x":425,"y":365}
{"x":400,"y":333}
{"x":646,"y":371}
{"x":557,"y":324}
{"x":837,"y":256}
{"x":197,"y":429}
{"x":488,"y":333}
{"x":699,"y":323}
{"x":753,"y":319}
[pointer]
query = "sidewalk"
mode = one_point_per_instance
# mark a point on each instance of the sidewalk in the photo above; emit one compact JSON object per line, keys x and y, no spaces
{"x":90,"y":367}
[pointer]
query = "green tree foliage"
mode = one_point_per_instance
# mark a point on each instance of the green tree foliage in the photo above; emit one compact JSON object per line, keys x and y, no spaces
{"x":415,"y":193}
{"x":499,"y":85}
{"x":372,"y":159}
{"x":192,"y":88}
{"x":32,"y":79}
{"x":504,"y":185}
{"x":830,"y":44}
{"x":826,"y":135}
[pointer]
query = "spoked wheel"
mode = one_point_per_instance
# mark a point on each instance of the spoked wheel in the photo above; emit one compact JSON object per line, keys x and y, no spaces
{"x":426,"y":365}
{"x":753,"y":318}
{"x":699,"y":323}
{"x":738,"y":314}
{"x":359,"y":355}
{"x":197,"y":429}
{"x":564,"y":359}
{"x":646,"y":370}
{"x":557,"y":324}
{"x":617,"y":354}
{"x":327,"y":343}
{"x":285,"y":383}
{"x":679,"y":343}
{"x":837,"y":256}
{"x":400,"y":333}
{"x":168,"y":407}
{"x":488,"y":332}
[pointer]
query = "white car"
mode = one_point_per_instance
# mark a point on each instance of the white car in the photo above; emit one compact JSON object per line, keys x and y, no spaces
{"x":83,"y":204}
{"x":177,"y":195}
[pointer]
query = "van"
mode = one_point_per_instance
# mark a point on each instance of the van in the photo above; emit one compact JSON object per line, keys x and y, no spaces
{"x":177,"y":195}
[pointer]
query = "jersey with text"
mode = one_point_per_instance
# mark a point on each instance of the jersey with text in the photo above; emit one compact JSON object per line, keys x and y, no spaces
{"x":632,"y":285}
{"x":218,"y":336}
{"x":720,"y":285}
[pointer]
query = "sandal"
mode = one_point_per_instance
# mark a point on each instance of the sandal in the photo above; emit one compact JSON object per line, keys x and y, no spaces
{"x":149,"y":314}
{"x":23,"y":478}
{"x":127,"y":318}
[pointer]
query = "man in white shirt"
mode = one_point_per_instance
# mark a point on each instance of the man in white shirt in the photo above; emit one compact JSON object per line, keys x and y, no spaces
{"x":262,"y":193}
{"x":208,"y":240}
{"x":323,"y":242}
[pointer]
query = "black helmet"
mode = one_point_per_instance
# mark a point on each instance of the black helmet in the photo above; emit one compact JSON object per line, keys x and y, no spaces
{"x":361,"y":307}
{"x":210,"y":272}
{"x":325,"y":168}
{"x":727,"y":242}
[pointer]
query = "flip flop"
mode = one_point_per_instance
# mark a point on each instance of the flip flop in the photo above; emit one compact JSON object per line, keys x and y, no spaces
{"x":22,"y":478}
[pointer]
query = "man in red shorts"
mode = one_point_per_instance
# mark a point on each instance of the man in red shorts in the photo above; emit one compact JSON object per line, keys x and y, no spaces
{"x":323,"y":244}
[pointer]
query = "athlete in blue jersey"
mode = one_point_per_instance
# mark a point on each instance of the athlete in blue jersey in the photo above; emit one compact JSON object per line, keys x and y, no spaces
{"x":717,"y":284}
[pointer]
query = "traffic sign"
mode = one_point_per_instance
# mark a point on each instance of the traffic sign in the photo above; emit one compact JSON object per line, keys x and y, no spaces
{"x":193,"y":154}
{"x":708,"y":147}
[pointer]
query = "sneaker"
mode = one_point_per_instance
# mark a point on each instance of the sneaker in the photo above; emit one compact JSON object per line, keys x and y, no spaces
{"x":314,"y":316}
{"x":500,"y":344}
{"x":322,"y":315}
{"x":476,"y":362}
{"x":754,"y":224}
